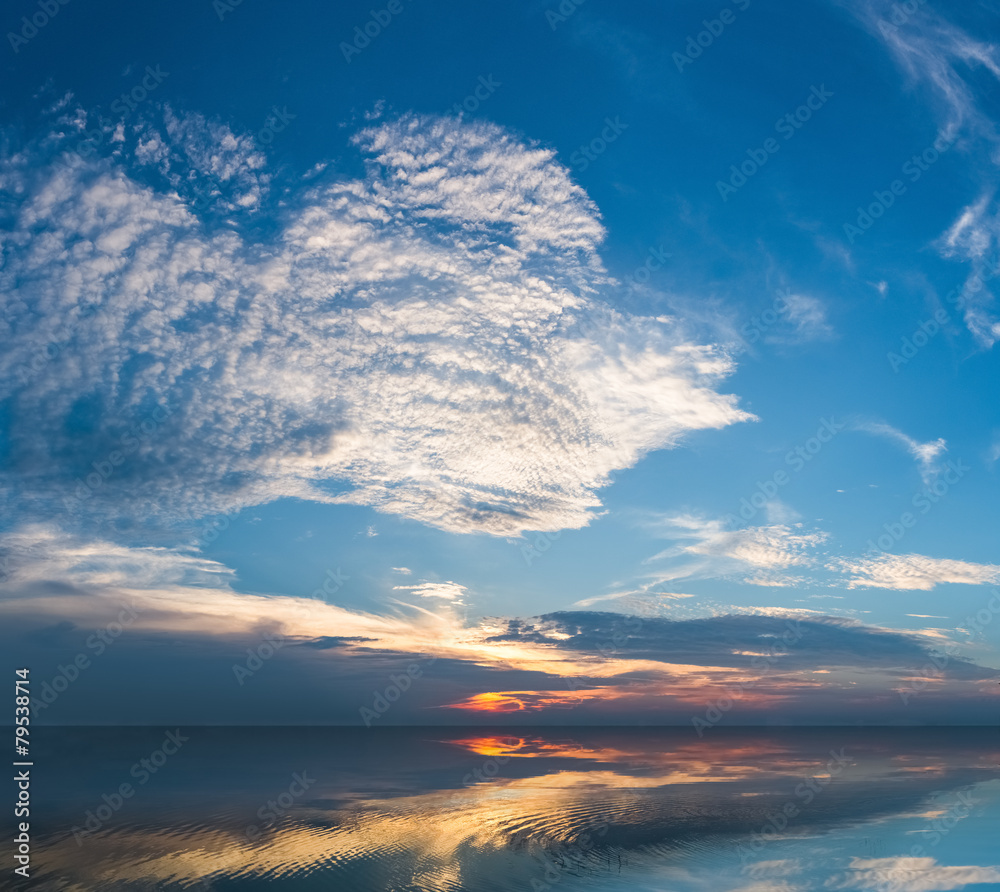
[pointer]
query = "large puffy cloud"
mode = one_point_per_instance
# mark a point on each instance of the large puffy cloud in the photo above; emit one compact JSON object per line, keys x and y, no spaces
{"x":426,"y":338}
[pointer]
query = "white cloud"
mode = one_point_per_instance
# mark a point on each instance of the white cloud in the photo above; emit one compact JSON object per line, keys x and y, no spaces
{"x":769,"y":555}
{"x":959,"y":72}
{"x":780,"y":868}
{"x":226,"y":165}
{"x":926,"y":454}
{"x":51,"y":573}
{"x":443,"y":591}
{"x":934,"y":52}
{"x":627,"y":601}
{"x":36,"y":554}
{"x":755,"y":555}
{"x":806,"y":317}
{"x":779,"y":512}
{"x":969,"y":234}
{"x":994,"y":451}
{"x":770,"y":886}
{"x":426,"y":339}
{"x":903,"y":874}
{"x":62,"y":585}
{"x":909,"y":572}
{"x":973,"y":236}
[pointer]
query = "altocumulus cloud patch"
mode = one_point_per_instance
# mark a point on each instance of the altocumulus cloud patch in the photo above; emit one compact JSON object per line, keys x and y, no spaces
{"x":428,"y":338}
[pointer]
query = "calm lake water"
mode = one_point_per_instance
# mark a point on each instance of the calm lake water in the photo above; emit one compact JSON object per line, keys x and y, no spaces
{"x":747,"y":810}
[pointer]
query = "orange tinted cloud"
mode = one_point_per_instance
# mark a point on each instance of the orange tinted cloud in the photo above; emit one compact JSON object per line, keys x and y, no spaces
{"x":752,"y":692}
{"x":527,"y":701}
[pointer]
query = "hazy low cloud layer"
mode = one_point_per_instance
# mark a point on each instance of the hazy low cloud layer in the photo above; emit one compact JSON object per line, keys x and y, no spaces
{"x":782,"y":643}
{"x":129,"y":612}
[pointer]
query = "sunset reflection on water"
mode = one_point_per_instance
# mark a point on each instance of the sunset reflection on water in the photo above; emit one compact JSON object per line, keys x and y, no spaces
{"x":473,"y":809}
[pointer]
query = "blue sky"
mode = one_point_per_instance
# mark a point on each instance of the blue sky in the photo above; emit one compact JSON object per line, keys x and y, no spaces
{"x":622,"y":334}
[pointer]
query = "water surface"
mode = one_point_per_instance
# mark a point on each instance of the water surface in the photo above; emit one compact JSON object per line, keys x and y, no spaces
{"x":486,"y":810}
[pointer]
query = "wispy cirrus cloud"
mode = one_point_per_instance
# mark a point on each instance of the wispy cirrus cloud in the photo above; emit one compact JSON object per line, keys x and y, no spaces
{"x":804,"y":320}
{"x":926,"y":455}
{"x":908,"y":874}
{"x":939,"y":55}
{"x":969,"y":235}
{"x":627,"y":598}
{"x":444,"y":591}
{"x":427,"y":339}
{"x":705,"y":548}
{"x":910,"y":572}
{"x":974,"y":236}
{"x":773,"y":555}
{"x":958,"y":72}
